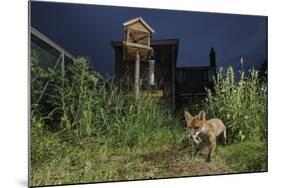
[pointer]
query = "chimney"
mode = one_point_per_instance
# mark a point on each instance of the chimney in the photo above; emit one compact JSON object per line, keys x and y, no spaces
{"x":213,"y":58}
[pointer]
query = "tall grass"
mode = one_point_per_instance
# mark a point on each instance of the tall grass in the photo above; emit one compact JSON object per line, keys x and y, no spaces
{"x":240,"y":100}
{"x":80,"y":103}
{"x":86,"y":129}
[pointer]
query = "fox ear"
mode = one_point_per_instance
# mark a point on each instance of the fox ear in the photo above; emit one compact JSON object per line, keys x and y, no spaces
{"x":187,"y":115}
{"x":202,"y":115}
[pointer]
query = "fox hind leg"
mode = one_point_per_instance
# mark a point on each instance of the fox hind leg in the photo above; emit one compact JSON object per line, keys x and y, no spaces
{"x":212,"y":148}
{"x":224,"y":136}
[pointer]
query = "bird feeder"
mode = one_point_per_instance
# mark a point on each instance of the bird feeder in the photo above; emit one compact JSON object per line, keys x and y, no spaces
{"x":137,"y":34}
{"x":136,"y":43}
{"x":151,"y":72}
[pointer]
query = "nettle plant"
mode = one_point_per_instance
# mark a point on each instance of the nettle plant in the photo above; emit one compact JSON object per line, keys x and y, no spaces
{"x":241,"y":104}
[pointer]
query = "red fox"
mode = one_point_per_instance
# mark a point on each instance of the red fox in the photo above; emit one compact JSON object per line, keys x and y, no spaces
{"x":205,"y":132}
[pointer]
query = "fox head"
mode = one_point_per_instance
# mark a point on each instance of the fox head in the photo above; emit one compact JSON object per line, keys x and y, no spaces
{"x":194,"y":123}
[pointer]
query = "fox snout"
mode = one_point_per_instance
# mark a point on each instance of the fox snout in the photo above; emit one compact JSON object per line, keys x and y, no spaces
{"x":190,"y":135}
{"x":195,"y":137}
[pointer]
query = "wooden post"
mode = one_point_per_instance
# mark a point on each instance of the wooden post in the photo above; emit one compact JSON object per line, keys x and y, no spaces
{"x":173,"y":70}
{"x":137,"y":75}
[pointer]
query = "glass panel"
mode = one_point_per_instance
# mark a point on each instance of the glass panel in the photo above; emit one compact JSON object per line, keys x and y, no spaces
{"x":46,"y":59}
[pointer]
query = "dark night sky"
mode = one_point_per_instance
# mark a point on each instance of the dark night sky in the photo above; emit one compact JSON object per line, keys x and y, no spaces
{"x":86,"y":30}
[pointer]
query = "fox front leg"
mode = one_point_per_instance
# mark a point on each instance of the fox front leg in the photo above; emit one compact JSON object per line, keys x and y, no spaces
{"x":212,"y":148}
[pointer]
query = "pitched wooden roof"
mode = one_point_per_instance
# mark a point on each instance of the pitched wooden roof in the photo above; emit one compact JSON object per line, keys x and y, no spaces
{"x":138,"y":19}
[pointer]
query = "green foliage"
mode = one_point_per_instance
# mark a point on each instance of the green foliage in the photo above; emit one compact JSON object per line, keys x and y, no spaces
{"x":241,"y":104}
{"x":80,"y":101}
{"x":246,"y":156}
{"x":87,"y":129}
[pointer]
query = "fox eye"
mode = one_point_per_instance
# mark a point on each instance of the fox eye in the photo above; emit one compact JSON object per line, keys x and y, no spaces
{"x":196,"y":128}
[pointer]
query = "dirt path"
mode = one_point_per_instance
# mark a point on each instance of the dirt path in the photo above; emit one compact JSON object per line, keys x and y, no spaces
{"x":171,"y":163}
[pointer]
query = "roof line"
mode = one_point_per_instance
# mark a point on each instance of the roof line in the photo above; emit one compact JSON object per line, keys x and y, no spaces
{"x":141,"y":20}
{"x":153,"y":42}
{"x":50,"y":42}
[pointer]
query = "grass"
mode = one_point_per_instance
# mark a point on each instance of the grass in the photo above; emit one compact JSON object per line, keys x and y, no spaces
{"x":86,"y":129}
{"x":87,"y":161}
{"x":246,"y":156}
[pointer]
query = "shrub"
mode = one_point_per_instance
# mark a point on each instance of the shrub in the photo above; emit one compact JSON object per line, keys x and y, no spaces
{"x":240,"y":103}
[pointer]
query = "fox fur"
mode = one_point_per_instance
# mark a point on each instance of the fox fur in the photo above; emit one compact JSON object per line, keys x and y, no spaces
{"x":205,"y":132}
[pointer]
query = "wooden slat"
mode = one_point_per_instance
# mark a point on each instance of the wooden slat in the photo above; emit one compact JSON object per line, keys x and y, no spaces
{"x":134,"y":45}
{"x":145,"y":53}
